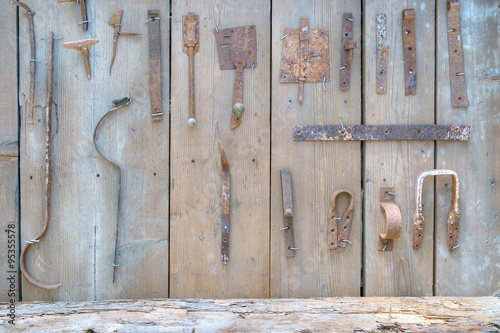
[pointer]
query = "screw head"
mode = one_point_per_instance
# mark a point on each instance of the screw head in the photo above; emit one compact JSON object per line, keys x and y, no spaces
{"x":191,"y":122}
{"x":238,"y":109}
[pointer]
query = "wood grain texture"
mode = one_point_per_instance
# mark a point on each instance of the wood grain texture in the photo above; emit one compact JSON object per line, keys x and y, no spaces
{"x":474,"y":267}
{"x":317,"y":168}
{"x":196,"y":183}
{"x":403,"y":271}
{"x":78,"y":248}
{"x":9,"y":195}
{"x":431,"y":314}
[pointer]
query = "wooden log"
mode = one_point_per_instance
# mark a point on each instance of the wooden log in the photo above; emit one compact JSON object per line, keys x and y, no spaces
{"x":436,"y":314}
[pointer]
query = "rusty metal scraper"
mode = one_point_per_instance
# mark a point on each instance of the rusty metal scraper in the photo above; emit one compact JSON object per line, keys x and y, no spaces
{"x":191,"y":40}
{"x":305,"y":56}
{"x":237,"y":49}
{"x":116,"y":22}
{"x":226,"y":205}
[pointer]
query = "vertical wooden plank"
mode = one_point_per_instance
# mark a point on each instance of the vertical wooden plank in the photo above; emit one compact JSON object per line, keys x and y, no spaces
{"x":317,"y":168}
{"x":473,"y":268}
{"x":403,"y":271}
{"x":196,"y":266}
{"x":137,"y":144}
{"x":9,"y":241}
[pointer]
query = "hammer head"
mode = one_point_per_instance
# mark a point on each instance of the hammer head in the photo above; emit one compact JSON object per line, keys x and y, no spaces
{"x":116,"y":18}
{"x":81,"y":44}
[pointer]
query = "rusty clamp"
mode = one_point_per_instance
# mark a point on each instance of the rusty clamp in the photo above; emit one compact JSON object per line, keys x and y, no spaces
{"x":83,"y":9}
{"x":286,"y":190}
{"x":338,"y":238}
{"x":383,"y":47}
{"x":458,"y":85}
{"x":153,"y":22}
{"x":453,"y":216}
{"x":348,"y":46}
{"x":191,"y":40}
{"x":226,"y":205}
{"x":409,"y":51}
{"x":392,"y":217}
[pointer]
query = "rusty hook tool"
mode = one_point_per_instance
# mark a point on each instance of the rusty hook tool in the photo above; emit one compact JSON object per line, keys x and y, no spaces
{"x":83,"y":46}
{"x":335,"y":241}
{"x":453,"y":216}
{"x":116,"y":22}
{"x":31,"y":102}
{"x":392,"y":218}
{"x":83,"y":9}
{"x":48,"y":173}
{"x":117,"y":104}
{"x":226,"y":205}
{"x":191,"y":39}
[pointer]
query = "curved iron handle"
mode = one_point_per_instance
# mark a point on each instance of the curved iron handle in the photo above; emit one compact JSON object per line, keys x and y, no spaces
{"x":392,"y":218}
{"x":453,"y":215}
{"x":335,"y":241}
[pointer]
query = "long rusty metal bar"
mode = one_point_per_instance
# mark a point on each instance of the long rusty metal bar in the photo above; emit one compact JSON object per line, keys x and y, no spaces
{"x":383,"y":47}
{"x":286,"y":190}
{"x":410,"y":51}
{"x":348,"y":46}
{"x":153,"y":22}
{"x":48,"y":174}
{"x":119,"y":103}
{"x":380,"y":132}
{"x":226,"y":206}
{"x":191,"y":40}
{"x":31,"y":102}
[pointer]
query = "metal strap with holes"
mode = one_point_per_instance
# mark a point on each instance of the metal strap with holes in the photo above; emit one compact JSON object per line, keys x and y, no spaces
{"x":382,"y":54}
{"x":155,"y":64}
{"x":286,"y":190}
{"x":392,"y":218}
{"x":458,"y":85}
{"x":348,"y":46}
{"x":339,"y":236}
{"x":226,"y":205}
{"x":409,"y":51}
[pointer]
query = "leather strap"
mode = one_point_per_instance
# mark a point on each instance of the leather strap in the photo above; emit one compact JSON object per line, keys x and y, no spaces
{"x":410,"y":52}
{"x":155,"y":64}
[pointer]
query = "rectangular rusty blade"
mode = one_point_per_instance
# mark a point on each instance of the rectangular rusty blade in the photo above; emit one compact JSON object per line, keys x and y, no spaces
{"x":235,"y":44}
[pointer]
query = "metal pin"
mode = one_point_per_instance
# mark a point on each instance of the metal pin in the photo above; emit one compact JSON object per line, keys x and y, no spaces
{"x":34,"y":60}
{"x":343,"y":67}
{"x":336,"y":218}
{"x":285,"y":36}
{"x":453,"y":248}
{"x":152,"y":19}
{"x":116,"y":25}
{"x":86,"y":21}
{"x":225,"y":258}
{"x":48,"y":38}
{"x":391,"y":193}
{"x":346,"y":240}
{"x":284,"y":228}
{"x":385,"y":245}
{"x":324,"y":79}
{"x":31,"y":241}
{"x":419,"y":228}
{"x":293,"y":248}
{"x":115,"y":265}
{"x":225,"y":227}
{"x":448,"y":133}
{"x":253,"y":65}
{"x":451,"y":30}
{"x":349,"y":19}
{"x":157,"y":113}
{"x":342,"y":124}
{"x":216,"y":30}
{"x":459,"y":74}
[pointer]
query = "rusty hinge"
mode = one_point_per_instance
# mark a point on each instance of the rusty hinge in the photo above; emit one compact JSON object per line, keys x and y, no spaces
{"x":453,"y":224}
{"x":191,"y":40}
{"x":339,"y":235}
{"x":305,"y":57}
{"x":83,"y":9}
{"x":458,"y":85}
{"x":381,"y":132}
{"x":116,"y":22}
{"x":237,"y":49}
{"x":286,"y":190}
{"x":226,"y":206}
{"x":348,"y":46}
{"x":383,"y":47}
{"x":409,"y":51}
{"x":153,"y":22}
{"x":83,"y":46}
{"x":392,"y":218}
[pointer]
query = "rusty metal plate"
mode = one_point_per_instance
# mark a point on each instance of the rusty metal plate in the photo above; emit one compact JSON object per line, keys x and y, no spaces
{"x":348,"y":46}
{"x":286,"y":190}
{"x":410,"y":51}
{"x":381,"y":132}
{"x":382,"y":54}
{"x":225,"y":207}
{"x":338,"y":236}
{"x":155,"y":64}
{"x":392,"y":218}
{"x":234,"y":44}
{"x":458,"y":85}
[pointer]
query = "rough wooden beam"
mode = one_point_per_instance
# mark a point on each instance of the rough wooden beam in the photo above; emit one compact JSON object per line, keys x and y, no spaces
{"x":437,"y":314}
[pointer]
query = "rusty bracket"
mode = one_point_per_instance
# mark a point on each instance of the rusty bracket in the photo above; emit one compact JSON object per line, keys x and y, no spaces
{"x":458,"y":84}
{"x":155,"y":64}
{"x":338,"y":238}
{"x":191,"y":40}
{"x":453,"y":216}
{"x":83,"y":46}
{"x":410,"y":51}
{"x":237,"y":49}
{"x":286,"y":190}
{"x":83,"y":9}
{"x":383,"y":47}
{"x":380,"y":132}
{"x":33,"y":60}
{"x":305,"y":57}
{"x":117,"y":104}
{"x":392,"y":218}
{"x":116,"y":22}
{"x":348,"y":46}
{"x":226,"y":206}
{"x":48,"y":174}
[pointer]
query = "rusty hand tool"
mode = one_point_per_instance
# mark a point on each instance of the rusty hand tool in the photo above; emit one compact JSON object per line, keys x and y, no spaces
{"x":409,"y":51}
{"x":383,"y":47}
{"x":48,"y":173}
{"x":237,"y":49}
{"x":392,"y":218}
{"x":83,"y":46}
{"x":348,"y":46}
{"x":380,"y":132}
{"x":31,"y":102}
{"x":305,"y":57}
{"x":116,"y":22}
{"x":226,"y":205}
{"x":83,"y":9}
{"x":458,"y":85}
{"x":191,"y":39}
{"x":153,"y":22}
{"x":338,"y":238}
{"x":453,"y":224}
{"x":117,"y":104}
{"x":286,"y":190}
